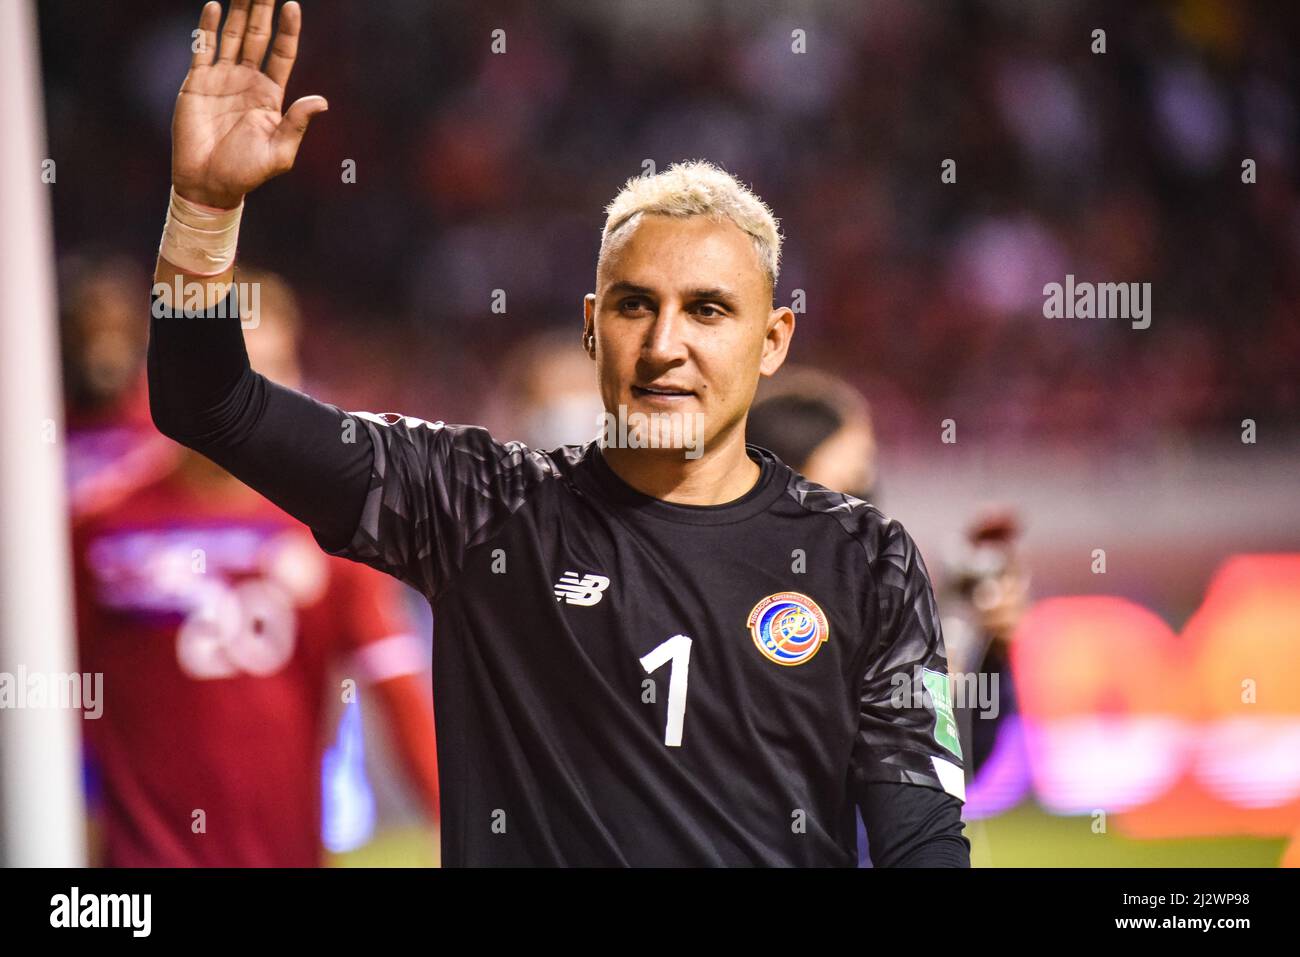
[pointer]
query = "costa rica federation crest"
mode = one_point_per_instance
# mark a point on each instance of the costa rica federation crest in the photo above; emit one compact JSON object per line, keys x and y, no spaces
{"x":788,"y":627}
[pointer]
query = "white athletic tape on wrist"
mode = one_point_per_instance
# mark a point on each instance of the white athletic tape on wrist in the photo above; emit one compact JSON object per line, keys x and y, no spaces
{"x":200,"y":239}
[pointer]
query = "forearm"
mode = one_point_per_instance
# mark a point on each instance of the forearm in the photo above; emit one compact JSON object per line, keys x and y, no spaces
{"x":296,"y":451}
{"x":214,"y":288}
{"x":910,"y":825}
{"x":197,"y":365}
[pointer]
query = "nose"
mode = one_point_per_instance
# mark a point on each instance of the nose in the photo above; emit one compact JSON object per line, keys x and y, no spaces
{"x":665,"y":342}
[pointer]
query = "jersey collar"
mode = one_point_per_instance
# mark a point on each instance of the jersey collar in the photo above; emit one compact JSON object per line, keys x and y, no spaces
{"x":758,"y":499}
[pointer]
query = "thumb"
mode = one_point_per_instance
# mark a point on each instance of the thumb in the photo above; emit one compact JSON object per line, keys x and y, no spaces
{"x":288,"y":135}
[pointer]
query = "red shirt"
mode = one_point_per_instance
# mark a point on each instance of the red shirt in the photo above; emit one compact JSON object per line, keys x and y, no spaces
{"x":214,"y":618}
{"x":113,"y":450}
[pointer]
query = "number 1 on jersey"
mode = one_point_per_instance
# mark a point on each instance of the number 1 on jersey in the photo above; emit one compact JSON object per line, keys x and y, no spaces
{"x":676,"y":649}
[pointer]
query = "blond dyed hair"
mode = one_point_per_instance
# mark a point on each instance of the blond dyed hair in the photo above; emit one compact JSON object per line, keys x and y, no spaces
{"x":699,"y":188}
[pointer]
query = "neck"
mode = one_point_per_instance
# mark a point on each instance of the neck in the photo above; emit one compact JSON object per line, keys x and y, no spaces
{"x":722,"y":474}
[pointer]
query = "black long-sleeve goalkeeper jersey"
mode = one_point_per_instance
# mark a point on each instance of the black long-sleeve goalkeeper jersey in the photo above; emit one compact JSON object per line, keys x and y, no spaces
{"x":617,"y":679}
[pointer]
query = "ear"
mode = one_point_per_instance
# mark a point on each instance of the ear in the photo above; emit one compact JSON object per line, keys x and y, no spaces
{"x":589,"y":324}
{"x":776,"y":343}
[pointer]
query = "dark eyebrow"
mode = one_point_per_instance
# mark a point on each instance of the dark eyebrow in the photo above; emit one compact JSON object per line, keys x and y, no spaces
{"x":715,"y":293}
{"x":631,"y":288}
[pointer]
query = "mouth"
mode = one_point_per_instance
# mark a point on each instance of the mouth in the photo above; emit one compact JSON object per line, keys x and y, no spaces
{"x":661,"y":392}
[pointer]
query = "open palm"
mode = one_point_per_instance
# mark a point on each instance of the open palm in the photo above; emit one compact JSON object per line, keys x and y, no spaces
{"x":228,"y":136}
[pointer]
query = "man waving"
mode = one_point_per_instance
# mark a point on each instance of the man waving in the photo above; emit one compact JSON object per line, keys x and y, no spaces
{"x":663,"y":647}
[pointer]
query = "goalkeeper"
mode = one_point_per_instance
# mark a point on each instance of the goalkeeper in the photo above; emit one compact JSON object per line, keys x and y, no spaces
{"x":650,"y":651}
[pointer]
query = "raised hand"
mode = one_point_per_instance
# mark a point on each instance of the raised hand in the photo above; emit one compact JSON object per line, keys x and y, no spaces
{"x":228,"y":135}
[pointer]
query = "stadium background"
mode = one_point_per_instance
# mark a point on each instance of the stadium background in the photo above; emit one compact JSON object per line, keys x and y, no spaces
{"x":477,"y":172}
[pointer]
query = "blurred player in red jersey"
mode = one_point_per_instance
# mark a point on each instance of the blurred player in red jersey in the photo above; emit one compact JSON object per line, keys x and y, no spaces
{"x":112,"y":444}
{"x":216,"y":622}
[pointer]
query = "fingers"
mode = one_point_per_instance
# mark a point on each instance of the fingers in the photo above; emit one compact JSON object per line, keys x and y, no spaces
{"x":285,"y":50}
{"x":233,"y":36}
{"x":288,"y":135}
{"x":257,"y":35}
{"x":206,"y":49}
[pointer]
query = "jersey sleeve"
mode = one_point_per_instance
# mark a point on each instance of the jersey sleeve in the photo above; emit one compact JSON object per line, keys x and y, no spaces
{"x":435,"y":491}
{"x":204,"y":394}
{"x":907,"y":732}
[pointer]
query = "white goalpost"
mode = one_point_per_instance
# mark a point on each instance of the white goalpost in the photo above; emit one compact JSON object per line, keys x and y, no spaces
{"x":41,"y":806}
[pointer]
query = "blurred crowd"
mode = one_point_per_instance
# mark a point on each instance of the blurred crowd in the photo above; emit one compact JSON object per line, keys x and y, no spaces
{"x":477,"y":172}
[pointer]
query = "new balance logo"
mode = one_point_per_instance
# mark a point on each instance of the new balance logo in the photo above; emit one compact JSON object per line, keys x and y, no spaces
{"x":580,"y":590}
